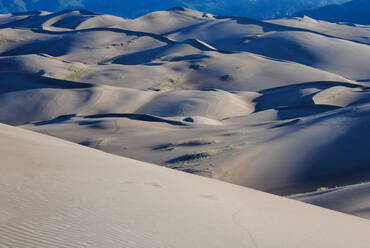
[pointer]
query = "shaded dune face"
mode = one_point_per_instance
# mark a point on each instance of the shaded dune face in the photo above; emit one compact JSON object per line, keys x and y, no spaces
{"x":357,"y":199}
{"x":349,"y":12}
{"x":277,"y":105}
{"x":325,"y":158}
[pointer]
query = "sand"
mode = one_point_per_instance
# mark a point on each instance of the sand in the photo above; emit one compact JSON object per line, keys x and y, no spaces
{"x":279,"y":106}
{"x":355,"y":203}
{"x":58,"y":194}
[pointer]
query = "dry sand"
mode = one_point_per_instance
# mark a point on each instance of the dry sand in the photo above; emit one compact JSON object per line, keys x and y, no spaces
{"x":58,"y":194}
{"x":356,"y":199}
{"x":280,"y":106}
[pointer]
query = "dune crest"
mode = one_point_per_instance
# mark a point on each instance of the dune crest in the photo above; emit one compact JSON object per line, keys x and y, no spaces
{"x":280,"y":106}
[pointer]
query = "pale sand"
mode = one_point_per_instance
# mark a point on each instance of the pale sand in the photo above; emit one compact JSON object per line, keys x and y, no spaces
{"x":280,"y":106}
{"x":58,"y":194}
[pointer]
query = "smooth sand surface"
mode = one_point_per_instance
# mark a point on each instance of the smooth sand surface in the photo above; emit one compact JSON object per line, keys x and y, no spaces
{"x":58,"y":194}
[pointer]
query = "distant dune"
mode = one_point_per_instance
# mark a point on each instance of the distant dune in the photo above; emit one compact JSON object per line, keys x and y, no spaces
{"x":280,"y":106}
{"x":355,"y":12}
{"x":133,"y":9}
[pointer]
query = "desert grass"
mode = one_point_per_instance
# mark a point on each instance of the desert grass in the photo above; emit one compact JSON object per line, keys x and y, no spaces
{"x":234,"y":133}
{"x":76,"y":73}
{"x":5,"y":40}
{"x":105,"y":61}
{"x":195,"y":157}
{"x":323,"y":189}
{"x":123,"y":44}
{"x":171,"y":84}
{"x":205,"y":155}
{"x":190,"y":142}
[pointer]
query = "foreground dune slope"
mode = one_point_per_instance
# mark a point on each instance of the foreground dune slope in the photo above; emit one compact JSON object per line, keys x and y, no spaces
{"x":58,"y":194}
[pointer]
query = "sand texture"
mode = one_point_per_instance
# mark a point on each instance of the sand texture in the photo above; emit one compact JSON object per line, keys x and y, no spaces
{"x":59,"y":194}
{"x":281,"y":106}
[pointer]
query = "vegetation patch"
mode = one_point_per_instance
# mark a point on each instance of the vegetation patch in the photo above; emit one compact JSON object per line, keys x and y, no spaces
{"x":171,"y":84}
{"x":204,"y":155}
{"x":75,"y":73}
{"x":181,"y":143}
{"x":7,"y":40}
{"x":238,"y":146}
{"x":195,"y":157}
{"x":321,"y":189}
{"x":105,"y":61}
{"x":251,"y":38}
{"x":123,"y":44}
{"x":233,"y":133}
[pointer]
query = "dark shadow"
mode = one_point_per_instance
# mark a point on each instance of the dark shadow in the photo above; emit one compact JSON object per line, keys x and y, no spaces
{"x":268,"y":27}
{"x":290,"y":95}
{"x":364,"y":80}
{"x":16,"y":81}
{"x":35,"y":20}
{"x":287,"y":124}
{"x":87,"y":123}
{"x":142,"y":57}
{"x":139,"y":117}
{"x":56,"y":46}
{"x":29,"y":13}
{"x":316,"y":84}
{"x":291,"y":112}
{"x":57,"y":120}
{"x":192,"y":57}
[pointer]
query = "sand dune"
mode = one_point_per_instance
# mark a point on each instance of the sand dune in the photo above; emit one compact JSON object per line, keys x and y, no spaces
{"x":357,"y":198}
{"x":162,"y":22}
{"x":49,"y":200}
{"x":339,"y":134}
{"x":278,"y":105}
{"x":61,"y":21}
{"x":315,"y":50}
{"x":349,"y":12}
{"x":21,"y":101}
{"x":213,"y":104}
{"x":354,"y":32}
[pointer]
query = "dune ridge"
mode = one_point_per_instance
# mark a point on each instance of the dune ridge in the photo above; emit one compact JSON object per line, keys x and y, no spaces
{"x":279,"y":105}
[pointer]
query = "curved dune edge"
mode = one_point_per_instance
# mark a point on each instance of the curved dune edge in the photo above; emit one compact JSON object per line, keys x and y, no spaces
{"x":357,"y":199}
{"x":59,"y":194}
